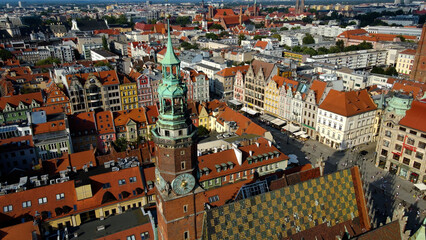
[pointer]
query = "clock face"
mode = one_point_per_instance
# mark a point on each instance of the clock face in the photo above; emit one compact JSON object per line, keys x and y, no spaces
{"x":183,"y":184}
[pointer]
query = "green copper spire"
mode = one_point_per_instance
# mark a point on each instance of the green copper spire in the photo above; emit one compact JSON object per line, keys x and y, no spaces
{"x":170,"y":57}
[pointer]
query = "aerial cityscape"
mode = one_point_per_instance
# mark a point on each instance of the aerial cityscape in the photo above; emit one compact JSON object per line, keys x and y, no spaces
{"x":169,"y":120}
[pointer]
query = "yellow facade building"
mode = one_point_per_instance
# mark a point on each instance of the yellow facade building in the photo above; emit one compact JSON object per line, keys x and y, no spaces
{"x":405,"y":61}
{"x":129,"y":94}
{"x":272,"y":95}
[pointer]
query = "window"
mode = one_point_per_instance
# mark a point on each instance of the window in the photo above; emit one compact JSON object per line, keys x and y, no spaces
{"x":422,"y":145}
{"x":413,"y":132}
{"x":26,"y":204}
{"x":182,"y":165}
{"x":132,"y":237}
{"x":185,"y":208}
{"x":384,"y":152}
{"x":406,"y":161}
{"x":186,"y":235}
{"x":42,"y":200}
{"x":386,"y":143}
{"x":388,"y":134}
{"x":182,"y":152}
{"x":419,"y":155}
{"x":106,"y":185}
{"x":417,"y":165}
{"x":121,"y":181}
{"x":396,"y":157}
{"x":402,"y":129}
{"x":410,"y":141}
{"x":132,"y":179}
{"x":8,"y":208}
{"x":398,"y":147}
{"x":145,"y":235}
{"x":400,"y":137}
{"x":408,"y":151}
{"x":60,"y":196}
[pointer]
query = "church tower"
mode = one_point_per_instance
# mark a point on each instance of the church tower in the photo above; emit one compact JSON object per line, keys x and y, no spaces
{"x":179,"y":216}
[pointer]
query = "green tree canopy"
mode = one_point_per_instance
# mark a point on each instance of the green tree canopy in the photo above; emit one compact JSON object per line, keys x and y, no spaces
{"x":4,"y":54}
{"x":277,"y":36}
{"x":105,"y":43}
{"x":241,"y":37}
{"x":188,"y":46}
{"x":308,"y":39}
{"x":216,"y":26}
{"x":258,"y":37}
{"x":283,"y":29}
{"x":120,"y":144}
{"x":48,"y":61}
{"x":212,"y":36}
{"x":202,"y":131}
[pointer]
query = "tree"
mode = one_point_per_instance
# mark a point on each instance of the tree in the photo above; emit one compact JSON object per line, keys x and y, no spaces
{"x":378,"y":70}
{"x":105,"y":43}
{"x":241,"y":37}
{"x":212,"y":36}
{"x":402,"y":38}
{"x":296,"y":49}
{"x":120,"y":144}
{"x":340,"y":44}
{"x":283,"y":29}
{"x":188,"y":46}
{"x":365,"y":45}
{"x":391,"y":71}
{"x":4,"y":54}
{"x":216,"y":26}
{"x":308,"y":39}
{"x":258,"y":37}
{"x":47,"y":61}
{"x":140,"y":140}
{"x":307,"y":20}
{"x":202,"y":131}
{"x":310,"y":51}
{"x":223,"y":34}
{"x":183,"y":20}
{"x":102,"y":63}
{"x":259,"y":25}
{"x":322,"y":50}
{"x":277,"y":36}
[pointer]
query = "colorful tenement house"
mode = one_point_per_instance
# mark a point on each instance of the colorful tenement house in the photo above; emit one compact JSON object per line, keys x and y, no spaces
{"x":401,"y":147}
{"x":131,"y":124}
{"x":145,"y":91}
{"x":346,"y":119}
{"x":14,"y":109}
{"x":105,"y":129}
{"x":313,"y":99}
{"x":197,"y":84}
{"x":128,"y":93}
{"x":272,"y":95}
{"x":225,"y":78}
{"x":83,"y":131}
{"x":55,"y":97}
{"x":92,"y":91}
{"x":179,"y":213}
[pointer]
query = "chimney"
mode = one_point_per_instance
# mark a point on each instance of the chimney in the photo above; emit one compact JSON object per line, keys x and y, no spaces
{"x":239,"y":155}
{"x":269,"y":143}
{"x":251,"y":153}
{"x":257,"y":144}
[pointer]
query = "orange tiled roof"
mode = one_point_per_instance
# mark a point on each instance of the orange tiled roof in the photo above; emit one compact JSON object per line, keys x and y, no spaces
{"x":20,"y":231}
{"x":414,"y":118}
{"x":16,"y":99}
{"x":82,"y":122}
{"x":104,"y":122}
{"x":261,"y":44}
{"x":231,"y":71}
{"x":318,"y":87}
{"x":348,"y":103}
{"x":409,"y":52}
{"x":223,"y":13}
{"x":122,"y":117}
{"x":416,"y":91}
{"x":152,"y":114}
{"x":52,"y":126}
{"x":211,"y":160}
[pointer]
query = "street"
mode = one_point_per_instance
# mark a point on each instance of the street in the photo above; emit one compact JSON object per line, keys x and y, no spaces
{"x":386,"y":194}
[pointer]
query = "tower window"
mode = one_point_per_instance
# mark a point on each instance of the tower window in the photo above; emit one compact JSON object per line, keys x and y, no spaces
{"x":167,"y":133}
{"x":185,"y":208}
{"x":182,"y":152}
{"x":186,"y":235}
{"x":182,"y":165}
{"x":180,"y":132}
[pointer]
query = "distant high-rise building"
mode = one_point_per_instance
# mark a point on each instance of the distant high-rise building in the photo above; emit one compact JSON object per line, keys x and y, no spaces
{"x":20,"y":4}
{"x":418,"y":73}
{"x":300,"y":6}
{"x":7,"y":5}
{"x":397,"y":2}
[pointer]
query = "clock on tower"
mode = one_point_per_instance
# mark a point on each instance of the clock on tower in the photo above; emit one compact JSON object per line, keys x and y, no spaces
{"x":174,"y":136}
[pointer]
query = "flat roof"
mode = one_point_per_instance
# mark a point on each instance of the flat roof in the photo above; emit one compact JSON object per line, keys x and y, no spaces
{"x":113,"y":224}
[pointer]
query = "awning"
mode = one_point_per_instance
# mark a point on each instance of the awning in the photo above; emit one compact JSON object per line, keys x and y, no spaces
{"x":298,"y":133}
{"x":420,"y":186}
{"x":291,"y":128}
{"x":249,"y":111}
{"x":278,"y":122}
{"x":304,"y":136}
{"x":267,"y":117}
{"x":235,"y":102}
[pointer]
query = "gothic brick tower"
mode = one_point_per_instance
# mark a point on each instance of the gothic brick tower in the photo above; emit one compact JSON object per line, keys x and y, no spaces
{"x":179,"y":213}
{"x":418,"y":73}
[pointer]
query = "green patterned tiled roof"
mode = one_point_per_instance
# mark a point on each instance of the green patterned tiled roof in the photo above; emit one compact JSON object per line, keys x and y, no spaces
{"x":286,"y":211}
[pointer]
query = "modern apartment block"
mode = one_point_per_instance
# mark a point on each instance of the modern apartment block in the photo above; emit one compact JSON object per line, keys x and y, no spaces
{"x":353,"y":59}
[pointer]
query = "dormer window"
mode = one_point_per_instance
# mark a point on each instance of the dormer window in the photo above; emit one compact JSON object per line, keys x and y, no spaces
{"x":217,"y":167}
